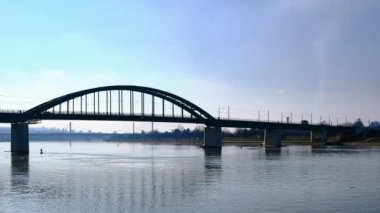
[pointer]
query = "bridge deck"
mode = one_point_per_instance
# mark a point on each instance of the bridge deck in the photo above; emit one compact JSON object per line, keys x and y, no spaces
{"x":275,"y":125}
{"x":18,"y":116}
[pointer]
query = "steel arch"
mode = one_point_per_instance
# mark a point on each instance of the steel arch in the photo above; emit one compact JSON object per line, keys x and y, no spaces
{"x":186,"y":105}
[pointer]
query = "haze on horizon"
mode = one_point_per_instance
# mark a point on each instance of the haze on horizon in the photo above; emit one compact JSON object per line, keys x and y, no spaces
{"x":304,"y":57}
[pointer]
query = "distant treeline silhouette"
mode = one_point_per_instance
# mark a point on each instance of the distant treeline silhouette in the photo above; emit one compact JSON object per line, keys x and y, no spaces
{"x":197,"y":134}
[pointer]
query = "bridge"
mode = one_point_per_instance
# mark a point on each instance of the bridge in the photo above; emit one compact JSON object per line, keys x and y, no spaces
{"x":136,"y":103}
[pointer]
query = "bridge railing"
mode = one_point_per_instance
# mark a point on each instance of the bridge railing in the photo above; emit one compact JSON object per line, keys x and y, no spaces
{"x":8,"y":111}
{"x":279,"y":121}
{"x":186,"y":117}
{"x":256,"y":120}
{"x":11,"y":111}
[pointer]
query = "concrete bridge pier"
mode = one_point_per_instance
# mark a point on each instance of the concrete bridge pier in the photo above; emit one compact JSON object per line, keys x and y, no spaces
{"x":319,"y":136}
{"x":212,"y":137}
{"x":273,"y":137}
{"x":20,"y":137}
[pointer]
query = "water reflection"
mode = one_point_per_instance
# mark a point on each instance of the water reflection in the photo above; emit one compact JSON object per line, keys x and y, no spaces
{"x":272,"y":152}
{"x":163,"y":178}
{"x":333,"y":149}
{"x":121,"y":183}
{"x":212,"y":164}
{"x":213,"y":152}
{"x":20,"y":172}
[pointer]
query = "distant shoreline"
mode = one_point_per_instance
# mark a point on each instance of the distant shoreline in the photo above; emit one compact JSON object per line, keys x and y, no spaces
{"x":238,"y":141}
{"x":305,"y":143}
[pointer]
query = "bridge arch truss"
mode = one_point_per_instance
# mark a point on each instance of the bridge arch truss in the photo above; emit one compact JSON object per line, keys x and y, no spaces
{"x":121,"y":102}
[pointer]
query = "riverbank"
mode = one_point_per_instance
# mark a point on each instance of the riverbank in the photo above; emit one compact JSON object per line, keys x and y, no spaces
{"x":370,"y":141}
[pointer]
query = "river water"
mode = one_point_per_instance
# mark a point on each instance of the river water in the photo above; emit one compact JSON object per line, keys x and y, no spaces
{"x":135,"y":177}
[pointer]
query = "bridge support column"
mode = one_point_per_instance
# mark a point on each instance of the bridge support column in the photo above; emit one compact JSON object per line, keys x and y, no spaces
{"x":319,"y":136}
{"x":212,"y":137}
{"x":20,"y":138}
{"x":273,"y":137}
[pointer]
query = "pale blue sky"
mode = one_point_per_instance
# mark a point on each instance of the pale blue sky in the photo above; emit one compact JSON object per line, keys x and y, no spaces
{"x":319,"y":57}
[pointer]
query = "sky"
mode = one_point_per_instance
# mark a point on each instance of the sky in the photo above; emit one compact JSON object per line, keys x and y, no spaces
{"x":308,"y":58}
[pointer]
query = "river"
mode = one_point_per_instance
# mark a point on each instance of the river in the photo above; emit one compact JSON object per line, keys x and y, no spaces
{"x":140,"y":177}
